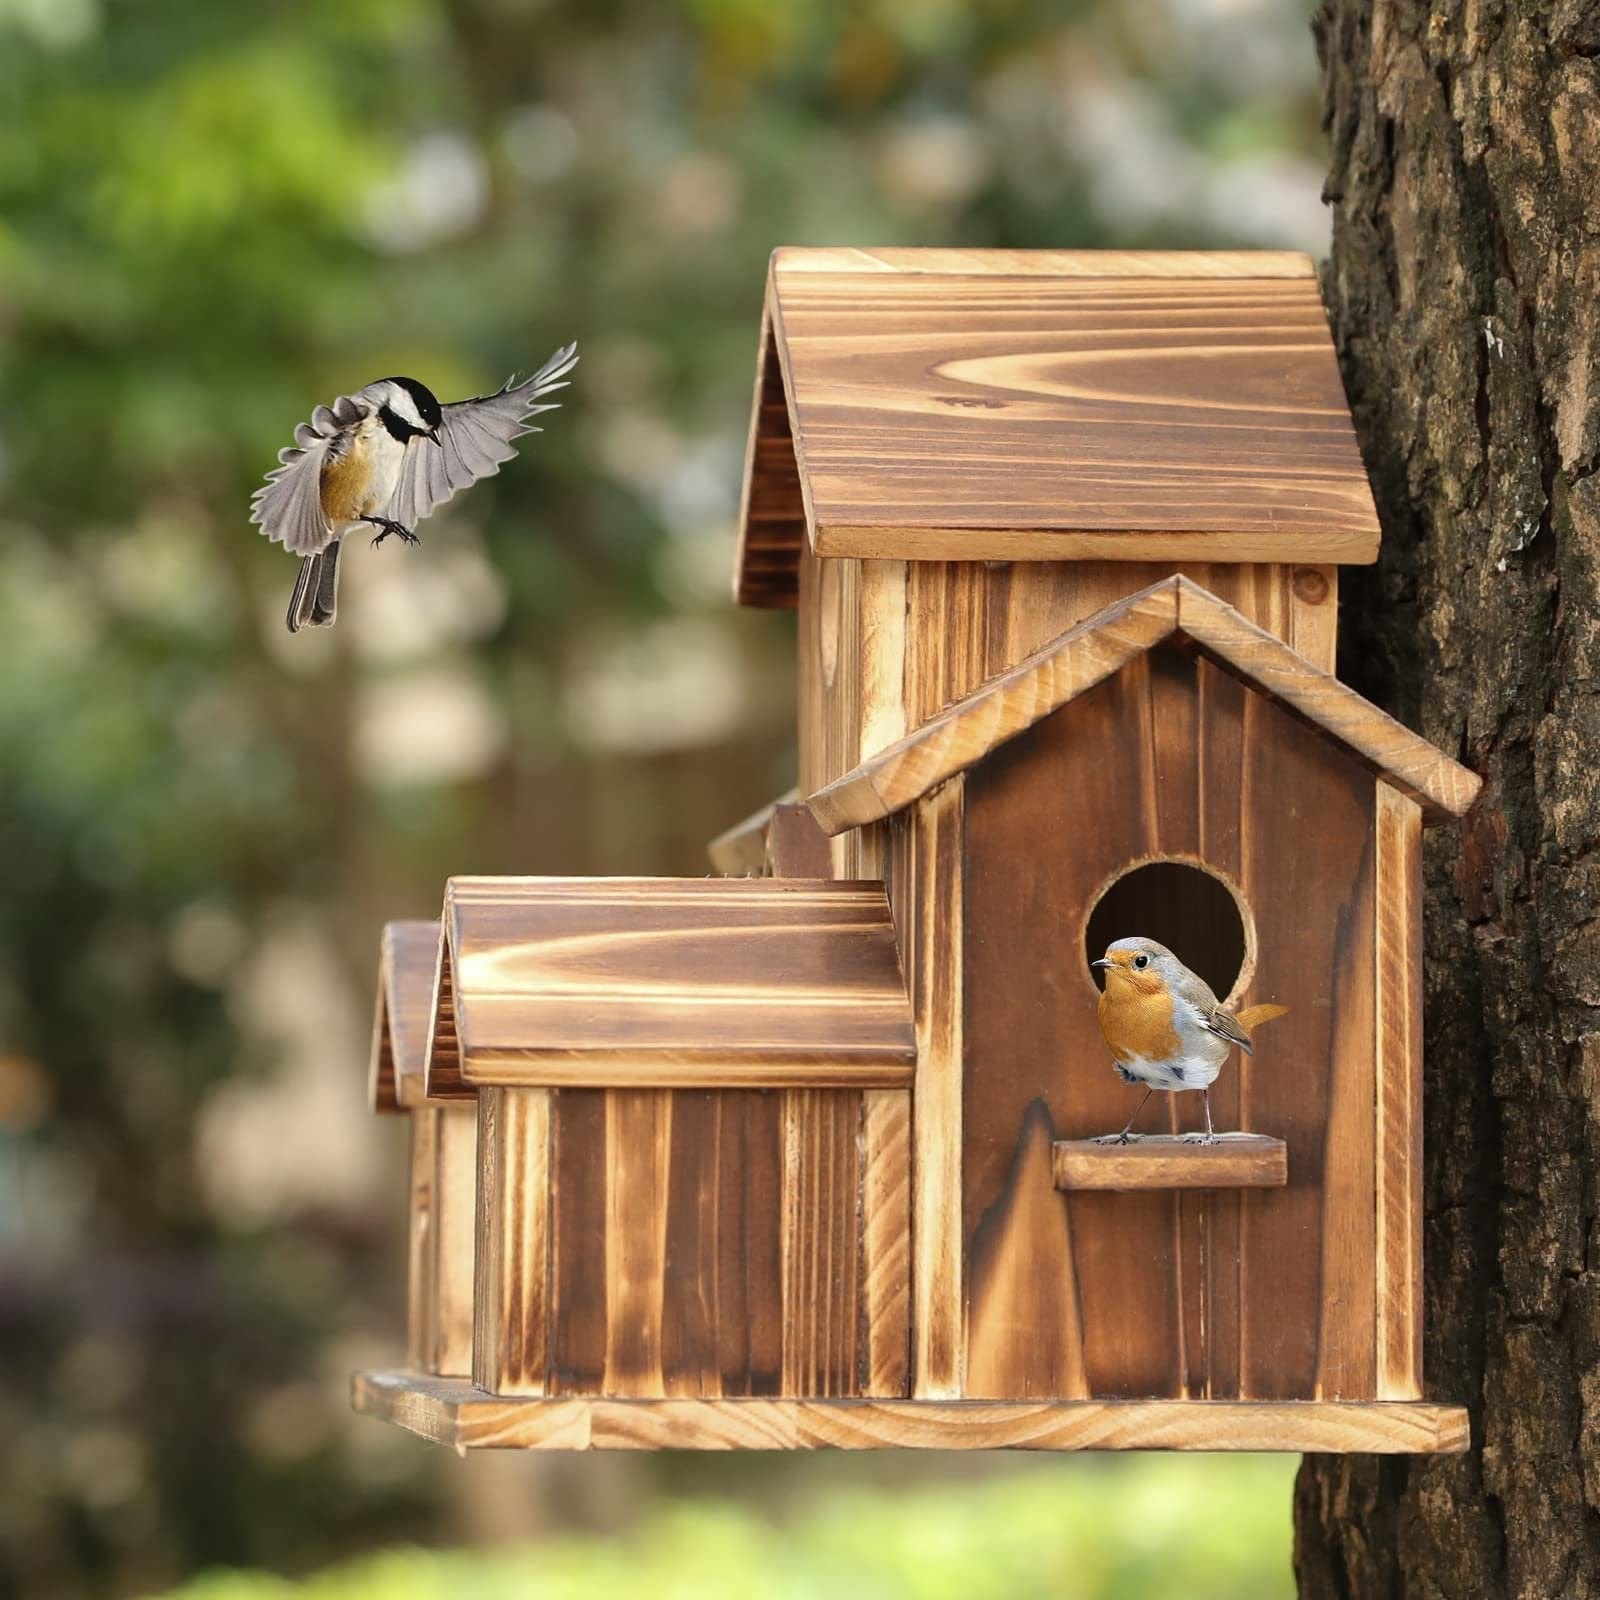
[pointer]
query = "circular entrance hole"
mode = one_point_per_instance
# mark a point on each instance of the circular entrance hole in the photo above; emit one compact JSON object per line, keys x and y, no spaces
{"x":1190,"y":910}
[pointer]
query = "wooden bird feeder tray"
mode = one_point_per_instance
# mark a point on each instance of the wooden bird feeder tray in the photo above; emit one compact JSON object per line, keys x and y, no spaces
{"x":804,"y":1158}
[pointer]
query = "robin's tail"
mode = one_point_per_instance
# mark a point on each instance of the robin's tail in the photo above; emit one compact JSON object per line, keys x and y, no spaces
{"x":316,"y":590}
{"x":1252,"y":1017}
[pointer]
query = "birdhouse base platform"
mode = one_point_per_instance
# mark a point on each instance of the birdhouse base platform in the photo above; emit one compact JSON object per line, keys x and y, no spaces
{"x":452,"y":1411}
{"x":1168,"y":1161}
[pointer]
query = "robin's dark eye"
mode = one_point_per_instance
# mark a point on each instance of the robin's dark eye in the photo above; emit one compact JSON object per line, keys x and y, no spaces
{"x":1141,"y":962}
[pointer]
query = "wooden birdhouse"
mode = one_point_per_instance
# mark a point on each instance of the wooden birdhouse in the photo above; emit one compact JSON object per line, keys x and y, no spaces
{"x":807,"y":1157}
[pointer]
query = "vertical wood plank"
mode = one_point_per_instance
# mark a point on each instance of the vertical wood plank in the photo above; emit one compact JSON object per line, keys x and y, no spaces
{"x":821,"y":1241}
{"x":937,"y":846}
{"x":577,"y":1270}
{"x":1399,"y":1095}
{"x":886,"y":1240}
{"x":1221,"y":760}
{"x":1309,"y":874}
{"x":510,"y":1353}
{"x":424,"y":1126}
{"x":638,"y":1140}
{"x":749,"y":1273}
{"x":452,"y":1242}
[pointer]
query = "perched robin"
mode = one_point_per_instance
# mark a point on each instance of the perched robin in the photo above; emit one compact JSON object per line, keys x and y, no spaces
{"x":1164,"y":1027}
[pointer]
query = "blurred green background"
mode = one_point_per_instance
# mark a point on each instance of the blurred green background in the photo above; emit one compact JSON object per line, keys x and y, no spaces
{"x":213,"y":216}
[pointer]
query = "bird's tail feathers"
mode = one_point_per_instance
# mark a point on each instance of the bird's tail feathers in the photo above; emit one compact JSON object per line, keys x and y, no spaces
{"x":315,"y":600}
{"x":1253,"y":1016}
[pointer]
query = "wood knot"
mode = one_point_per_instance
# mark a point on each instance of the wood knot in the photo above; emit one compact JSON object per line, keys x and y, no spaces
{"x":1310,"y":585}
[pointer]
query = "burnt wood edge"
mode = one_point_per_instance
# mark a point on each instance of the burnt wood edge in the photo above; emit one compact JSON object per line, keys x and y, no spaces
{"x":452,"y":1411}
{"x":813,"y":1068}
{"x":905,"y":771}
{"x":1167,"y":1161}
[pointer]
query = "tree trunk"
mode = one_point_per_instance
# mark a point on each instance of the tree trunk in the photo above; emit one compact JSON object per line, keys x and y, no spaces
{"x":1464,"y":288}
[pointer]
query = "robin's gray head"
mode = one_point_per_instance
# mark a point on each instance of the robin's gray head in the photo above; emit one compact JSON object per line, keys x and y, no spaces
{"x":1141,"y":964}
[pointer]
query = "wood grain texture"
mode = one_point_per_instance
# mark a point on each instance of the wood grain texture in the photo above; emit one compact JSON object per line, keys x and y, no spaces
{"x":935,"y":832}
{"x":1266,"y":1293}
{"x":954,"y":739}
{"x":886,"y":1241}
{"x":772,"y":517}
{"x":710,"y":1243}
{"x":452,"y":1412}
{"x":821,"y":1242}
{"x":511,"y":1302}
{"x":1046,"y":263}
{"x":1161,"y":1161}
{"x":1398,"y":980}
{"x":659,"y":983}
{"x":408,"y":955}
{"x":1022,"y":1276}
{"x":420,"y":1224}
{"x":1441,"y":786}
{"x":1054,"y":414}
{"x":451,"y":1239}
{"x":441,"y":1066}
{"x":966,"y":732}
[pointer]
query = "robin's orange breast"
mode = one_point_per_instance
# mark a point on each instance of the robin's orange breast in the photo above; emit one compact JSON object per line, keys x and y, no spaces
{"x":1138,"y":1025}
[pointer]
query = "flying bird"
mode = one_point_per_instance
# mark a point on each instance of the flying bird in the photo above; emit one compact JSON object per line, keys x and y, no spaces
{"x":1164,"y":1027}
{"x":385,"y":456}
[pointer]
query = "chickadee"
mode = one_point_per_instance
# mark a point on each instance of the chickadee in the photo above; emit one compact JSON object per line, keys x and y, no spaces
{"x":386,"y":455}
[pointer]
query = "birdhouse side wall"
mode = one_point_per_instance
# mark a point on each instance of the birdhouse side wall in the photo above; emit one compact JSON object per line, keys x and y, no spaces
{"x":1268,"y":1294}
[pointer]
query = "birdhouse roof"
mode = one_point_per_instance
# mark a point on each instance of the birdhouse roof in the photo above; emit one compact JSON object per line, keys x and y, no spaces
{"x":406,"y":971}
{"x":976,"y":405}
{"x":666,"y":982}
{"x":965,"y":732}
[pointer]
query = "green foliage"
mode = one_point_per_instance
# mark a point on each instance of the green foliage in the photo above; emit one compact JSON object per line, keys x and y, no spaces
{"x":1152,"y":1529}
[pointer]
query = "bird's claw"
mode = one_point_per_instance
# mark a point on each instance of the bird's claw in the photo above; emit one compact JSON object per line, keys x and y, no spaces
{"x":386,"y":526}
{"x":1116,"y":1138}
{"x":1199,"y":1138}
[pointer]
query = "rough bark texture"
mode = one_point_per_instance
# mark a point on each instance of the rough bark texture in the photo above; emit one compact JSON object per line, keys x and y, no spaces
{"x":1464,"y":286}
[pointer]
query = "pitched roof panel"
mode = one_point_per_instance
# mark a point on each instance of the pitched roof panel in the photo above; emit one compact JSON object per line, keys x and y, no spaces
{"x":965,"y":732}
{"x":616,"y":982}
{"x":1051,"y":405}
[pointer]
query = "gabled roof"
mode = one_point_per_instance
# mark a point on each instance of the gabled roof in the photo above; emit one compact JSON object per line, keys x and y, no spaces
{"x":400,"y":1029}
{"x":964,"y":733}
{"x":669,"y":982}
{"x":1047,"y":405}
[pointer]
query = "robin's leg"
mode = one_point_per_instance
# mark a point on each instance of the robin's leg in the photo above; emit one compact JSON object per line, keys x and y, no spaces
{"x":1125,"y":1137}
{"x":389,"y":525}
{"x":1209,"y":1136}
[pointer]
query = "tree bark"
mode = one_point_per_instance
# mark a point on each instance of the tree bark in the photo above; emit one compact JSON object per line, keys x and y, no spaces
{"x":1464,"y":287}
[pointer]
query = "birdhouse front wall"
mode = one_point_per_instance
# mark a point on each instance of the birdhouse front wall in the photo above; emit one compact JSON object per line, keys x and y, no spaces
{"x":1269,"y":1294}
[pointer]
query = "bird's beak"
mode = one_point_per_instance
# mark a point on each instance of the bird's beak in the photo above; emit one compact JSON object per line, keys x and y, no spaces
{"x":433,"y":433}
{"x":1102,"y":962}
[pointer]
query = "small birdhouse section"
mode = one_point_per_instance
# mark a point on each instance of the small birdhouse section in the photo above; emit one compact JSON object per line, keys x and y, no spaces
{"x":819,"y":1155}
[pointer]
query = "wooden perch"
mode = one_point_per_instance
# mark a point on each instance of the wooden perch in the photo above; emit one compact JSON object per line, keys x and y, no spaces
{"x":1167,"y":1161}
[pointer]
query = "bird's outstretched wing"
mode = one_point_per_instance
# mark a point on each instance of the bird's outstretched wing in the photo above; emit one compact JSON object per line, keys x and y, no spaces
{"x":288,"y":506}
{"x":474,"y":439}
